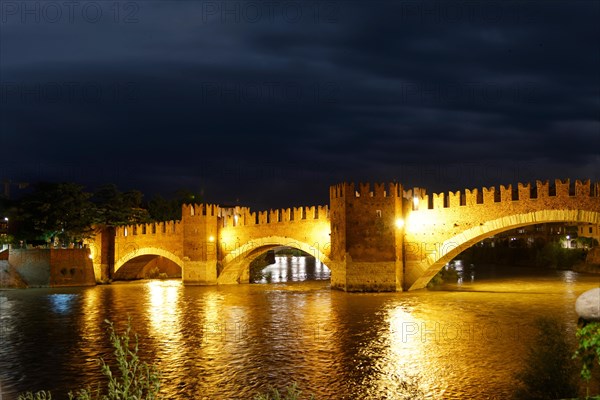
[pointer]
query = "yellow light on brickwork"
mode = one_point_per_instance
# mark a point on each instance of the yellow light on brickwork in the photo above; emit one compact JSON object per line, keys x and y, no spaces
{"x":399,"y":223}
{"x":415,"y":203}
{"x":211,"y":238}
{"x":419,"y":222}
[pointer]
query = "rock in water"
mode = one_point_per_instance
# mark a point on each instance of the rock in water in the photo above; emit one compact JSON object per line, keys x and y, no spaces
{"x":588,"y":305}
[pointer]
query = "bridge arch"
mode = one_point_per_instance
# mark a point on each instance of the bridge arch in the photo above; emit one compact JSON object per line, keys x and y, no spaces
{"x":150,"y":253}
{"x":235,"y":265}
{"x":452,"y":247}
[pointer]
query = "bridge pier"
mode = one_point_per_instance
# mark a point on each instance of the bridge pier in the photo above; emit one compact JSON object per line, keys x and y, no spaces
{"x":199,"y":272}
{"x":383,"y":276}
{"x":102,"y":252}
{"x":366,"y":243}
{"x":200,"y":224}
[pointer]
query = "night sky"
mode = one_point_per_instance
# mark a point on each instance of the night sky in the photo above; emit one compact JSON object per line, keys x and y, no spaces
{"x":268,"y":103}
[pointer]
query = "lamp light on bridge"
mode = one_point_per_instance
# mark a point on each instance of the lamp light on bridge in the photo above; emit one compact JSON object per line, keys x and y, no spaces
{"x":399,"y":223}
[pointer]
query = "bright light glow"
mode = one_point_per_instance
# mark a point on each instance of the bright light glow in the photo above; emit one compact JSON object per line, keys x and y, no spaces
{"x":406,"y":341}
{"x":399,"y":223}
{"x":568,"y":237}
{"x":211,"y":238}
{"x":419,"y":221}
{"x":163,"y":310}
{"x":6,"y":219}
{"x":415,"y":202}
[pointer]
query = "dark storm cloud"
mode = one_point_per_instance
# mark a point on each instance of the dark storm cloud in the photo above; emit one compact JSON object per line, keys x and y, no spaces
{"x":270,"y":102}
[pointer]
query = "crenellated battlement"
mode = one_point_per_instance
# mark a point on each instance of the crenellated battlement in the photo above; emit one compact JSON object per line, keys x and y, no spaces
{"x":350,"y":190}
{"x":198,"y":210}
{"x":508,"y":194}
{"x":166,"y":228}
{"x":243,"y":216}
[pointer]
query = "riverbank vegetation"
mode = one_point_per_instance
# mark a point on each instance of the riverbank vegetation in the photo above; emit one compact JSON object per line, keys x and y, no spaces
{"x":445,"y":275}
{"x":544,"y":255}
{"x":63,"y":214}
{"x":130,"y":379}
{"x":291,"y":392}
{"x":589,"y":353}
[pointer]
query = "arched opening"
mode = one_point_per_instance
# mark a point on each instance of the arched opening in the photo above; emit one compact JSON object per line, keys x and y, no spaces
{"x":234,"y":268}
{"x":526,"y":250}
{"x":420,"y":272}
{"x":287,"y":264}
{"x":148,"y":266}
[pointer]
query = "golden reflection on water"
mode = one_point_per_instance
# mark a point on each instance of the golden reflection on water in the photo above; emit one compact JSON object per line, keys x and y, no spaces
{"x":230,"y":342}
{"x":91,"y":318}
{"x":163,"y":310}
{"x":163,"y":305}
{"x":214,"y":327}
{"x":406,"y":344}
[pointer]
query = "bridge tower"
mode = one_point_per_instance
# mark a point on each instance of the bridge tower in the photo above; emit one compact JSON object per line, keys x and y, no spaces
{"x":200,"y":222}
{"x":366,"y":237}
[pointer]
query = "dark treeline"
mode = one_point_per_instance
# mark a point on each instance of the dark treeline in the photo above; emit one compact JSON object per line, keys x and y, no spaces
{"x":544,"y":254}
{"x":65,"y":213}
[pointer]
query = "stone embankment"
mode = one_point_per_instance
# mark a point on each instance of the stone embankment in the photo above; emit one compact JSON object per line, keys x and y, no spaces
{"x":21,"y":268}
{"x":9,"y":277}
{"x":591,"y":264}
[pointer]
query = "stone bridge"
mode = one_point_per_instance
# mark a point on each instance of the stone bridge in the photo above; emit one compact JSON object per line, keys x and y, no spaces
{"x":372,"y":237}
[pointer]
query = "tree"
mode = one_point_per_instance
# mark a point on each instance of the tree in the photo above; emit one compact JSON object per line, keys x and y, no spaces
{"x":114,"y":208}
{"x":58,"y":210}
{"x":161,"y":209}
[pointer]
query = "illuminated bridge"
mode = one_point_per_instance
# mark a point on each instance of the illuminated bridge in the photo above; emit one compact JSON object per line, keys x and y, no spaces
{"x":372,"y":237}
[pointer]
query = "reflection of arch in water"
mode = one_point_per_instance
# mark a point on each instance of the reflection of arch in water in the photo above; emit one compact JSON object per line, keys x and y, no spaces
{"x":235,"y":266}
{"x":288,"y":267}
{"x":452,"y":247}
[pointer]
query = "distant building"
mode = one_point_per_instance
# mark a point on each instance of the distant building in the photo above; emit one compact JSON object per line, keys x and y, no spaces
{"x":536,"y":235}
{"x":589,"y":231}
{"x":4,"y":239}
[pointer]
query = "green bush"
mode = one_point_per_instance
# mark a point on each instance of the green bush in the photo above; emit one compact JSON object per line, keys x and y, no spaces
{"x":41,"y":395}
{"x":588,"y":349}
{"x":291,"y":393}
{"x":443,"y":276}
{"x":553,"y":255}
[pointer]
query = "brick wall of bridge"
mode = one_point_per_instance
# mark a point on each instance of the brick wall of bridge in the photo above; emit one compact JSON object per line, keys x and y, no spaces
{"x":244,"y":235}
{"x":356,"y":236}
{"x":135,"y":240}
{"x":444,"y":224}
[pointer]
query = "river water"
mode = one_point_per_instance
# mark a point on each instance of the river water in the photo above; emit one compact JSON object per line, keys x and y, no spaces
{"x":465,"y":341}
